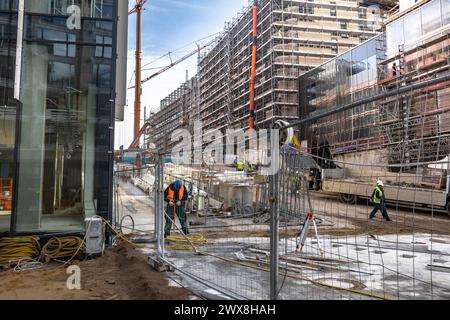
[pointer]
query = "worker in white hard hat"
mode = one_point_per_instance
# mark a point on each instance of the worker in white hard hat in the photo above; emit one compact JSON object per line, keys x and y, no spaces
{"x":379,"y":201}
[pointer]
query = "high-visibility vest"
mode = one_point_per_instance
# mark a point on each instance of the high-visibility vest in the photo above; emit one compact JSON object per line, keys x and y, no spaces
{"x":171,"y":194}
{"x":250,"y":167}
{"x":376,"y":199}
{"x":240,"y":166}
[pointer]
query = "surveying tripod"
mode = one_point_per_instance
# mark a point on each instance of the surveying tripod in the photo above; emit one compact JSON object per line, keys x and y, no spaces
{"x":310,"y":219}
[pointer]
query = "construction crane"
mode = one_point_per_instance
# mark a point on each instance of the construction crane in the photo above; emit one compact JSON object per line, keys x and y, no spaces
{"x":138,"y":7}
{"x":135,"y":143}
{"x":172,"y":64}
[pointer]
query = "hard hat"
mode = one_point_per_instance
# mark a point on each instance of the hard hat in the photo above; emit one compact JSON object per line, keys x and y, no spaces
{"x":380,"y":183}
{"x":177,"y":184}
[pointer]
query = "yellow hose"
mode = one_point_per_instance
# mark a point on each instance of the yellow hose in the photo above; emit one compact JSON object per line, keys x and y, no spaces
{"x":13,"y":250}
{"x":62,"y":247}
{"x":188,"y":242}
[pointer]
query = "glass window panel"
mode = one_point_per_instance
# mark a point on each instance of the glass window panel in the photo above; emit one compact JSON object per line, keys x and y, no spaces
{"x":104,"y":25}
{"x":394,"y":36}
{"x":445,"y":12}
{"x":102,"y":75}
{"x":413,"y":28}
{"x":88,"y":8}
{"x":66,"y":118}
{"x":54,"y":35}
{"x":431,"y":16}
{"x":98,"y":51}
{"x":71,"y":50}
{"x":61,"y":73}
{"x":59,"y":49}
{"x":372,"y":69}
{"x":7,"y":116}
{"x":8,"y":5}
{"x":107,"y":52}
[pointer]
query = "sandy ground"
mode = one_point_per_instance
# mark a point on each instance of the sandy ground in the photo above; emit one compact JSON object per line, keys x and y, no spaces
{"x":120,"y":274}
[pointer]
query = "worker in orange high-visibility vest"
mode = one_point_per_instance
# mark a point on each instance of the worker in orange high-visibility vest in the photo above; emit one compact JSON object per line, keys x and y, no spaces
{"x":394,"y":70}
{"x":176,"y":195}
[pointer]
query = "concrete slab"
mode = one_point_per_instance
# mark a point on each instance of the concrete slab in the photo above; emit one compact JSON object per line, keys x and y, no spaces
{"x":394,"y":274}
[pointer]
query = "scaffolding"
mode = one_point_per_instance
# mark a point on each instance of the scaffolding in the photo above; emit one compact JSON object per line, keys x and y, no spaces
{"x":176,"y":111}
{"x":293,"y":36}
{"x":402,"y":126}
{"x":416,"y":124}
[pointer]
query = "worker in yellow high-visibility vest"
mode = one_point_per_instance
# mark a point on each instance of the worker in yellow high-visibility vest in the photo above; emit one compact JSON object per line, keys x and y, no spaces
{"x":239,"y":165}
{"x":379,"y":201}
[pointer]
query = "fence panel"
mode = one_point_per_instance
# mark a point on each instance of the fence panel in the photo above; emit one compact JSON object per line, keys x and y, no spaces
{"x":323,"y":244}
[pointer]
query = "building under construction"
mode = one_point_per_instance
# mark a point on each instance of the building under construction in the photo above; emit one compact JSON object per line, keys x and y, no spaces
{"x":293,"y":37}
{"x":410,"y":121}
{"x":175,"y":112}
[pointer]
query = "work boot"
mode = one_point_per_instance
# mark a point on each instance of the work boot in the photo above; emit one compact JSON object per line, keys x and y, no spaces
{"x":388,"y":219}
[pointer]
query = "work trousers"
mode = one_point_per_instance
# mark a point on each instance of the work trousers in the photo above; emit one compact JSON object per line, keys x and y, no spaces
{"x":181,"y":214}
{"x":382,"y":208}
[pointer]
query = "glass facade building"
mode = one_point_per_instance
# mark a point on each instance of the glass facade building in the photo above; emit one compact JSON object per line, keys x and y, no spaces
{"x":413,"y":48}
{"x":56,"y":141}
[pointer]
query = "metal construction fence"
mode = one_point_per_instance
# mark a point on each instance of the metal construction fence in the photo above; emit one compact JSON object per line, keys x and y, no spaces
{"x":304,"y":232}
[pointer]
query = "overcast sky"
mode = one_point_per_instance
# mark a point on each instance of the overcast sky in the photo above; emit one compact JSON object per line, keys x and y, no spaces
{"x":170,"y":26}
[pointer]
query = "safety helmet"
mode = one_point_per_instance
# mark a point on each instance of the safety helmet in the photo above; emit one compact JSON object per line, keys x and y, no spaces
{"x":380,"y":183}
{"x":177,"y":184}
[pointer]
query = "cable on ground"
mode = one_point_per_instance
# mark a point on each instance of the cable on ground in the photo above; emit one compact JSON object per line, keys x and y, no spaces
{"x":58,"y":248}
{"x":14,"y":250}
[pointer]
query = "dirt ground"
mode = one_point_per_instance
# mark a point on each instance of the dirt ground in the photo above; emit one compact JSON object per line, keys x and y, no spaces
{"x":122,"y":273}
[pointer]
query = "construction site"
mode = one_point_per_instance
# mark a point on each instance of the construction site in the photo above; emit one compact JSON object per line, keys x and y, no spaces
{"x":308,"y":159}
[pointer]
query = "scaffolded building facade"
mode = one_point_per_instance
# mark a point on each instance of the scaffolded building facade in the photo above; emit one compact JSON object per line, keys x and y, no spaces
{"x":176,"y":111}
{"x":406,"y":127}
{"x":293,"y":37}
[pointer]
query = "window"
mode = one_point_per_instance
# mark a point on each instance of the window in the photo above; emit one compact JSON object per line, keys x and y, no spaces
{"x":104,"y":25}
{"x":333,"y":12}
{"x":394,"y":36}
{"x":363,"y":25}
{"x":64,"y":136}
{"x":306,"y":9}
{"x":362,"y":13}
{"x":5,"y":5}
{"x":343,"y":25}
{"x":103,"y":51}
{"x":431,"y":16}
{"x":413,"y":30}
{"x":445,"y":12}
{"x":61,"y":74}
{"x":102,"y":75}
{"x":89,"y":8}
